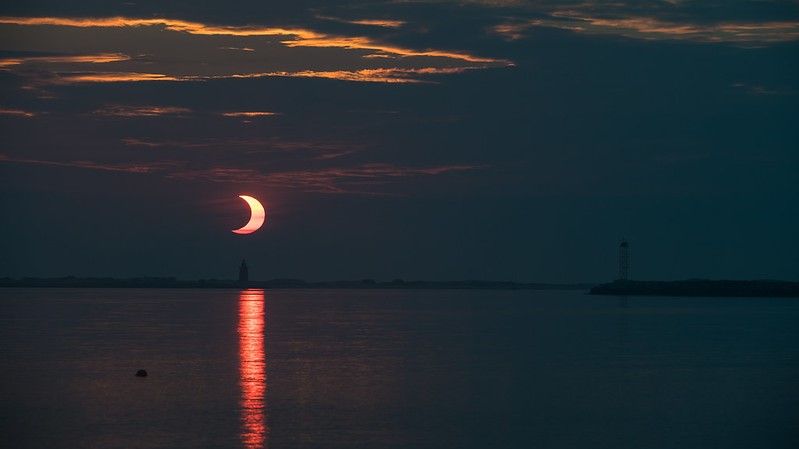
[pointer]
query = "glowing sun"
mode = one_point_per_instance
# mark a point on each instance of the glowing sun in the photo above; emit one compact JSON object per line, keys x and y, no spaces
{"x":257,"y":216}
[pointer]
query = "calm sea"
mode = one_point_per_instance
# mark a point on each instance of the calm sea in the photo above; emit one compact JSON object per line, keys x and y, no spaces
{"x":395,"y":369}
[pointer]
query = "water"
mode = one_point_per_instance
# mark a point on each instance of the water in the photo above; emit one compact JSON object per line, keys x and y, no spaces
{"x":395,"y":369}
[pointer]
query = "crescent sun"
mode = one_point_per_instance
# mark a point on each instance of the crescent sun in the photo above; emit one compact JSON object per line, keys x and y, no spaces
{"x":257,"y":216}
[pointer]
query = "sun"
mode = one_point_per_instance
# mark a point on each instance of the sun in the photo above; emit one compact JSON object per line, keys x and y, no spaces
{"x":257,"y":216}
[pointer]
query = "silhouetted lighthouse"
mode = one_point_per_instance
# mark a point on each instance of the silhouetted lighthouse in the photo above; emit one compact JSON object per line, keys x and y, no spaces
{"x":624,"y":260}
{"x":244,"y":273}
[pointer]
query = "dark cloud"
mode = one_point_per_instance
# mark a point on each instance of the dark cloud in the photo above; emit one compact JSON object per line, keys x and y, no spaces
{"x":653,"y":28}
{"x":359,"y":180}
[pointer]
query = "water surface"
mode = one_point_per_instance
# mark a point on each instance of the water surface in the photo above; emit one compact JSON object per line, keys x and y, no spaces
{"x":395,"y":369}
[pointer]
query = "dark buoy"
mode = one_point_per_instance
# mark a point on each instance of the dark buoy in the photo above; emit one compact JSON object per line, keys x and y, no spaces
{"x":141,"y":373}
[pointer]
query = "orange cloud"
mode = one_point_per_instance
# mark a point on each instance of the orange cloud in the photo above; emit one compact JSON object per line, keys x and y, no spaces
{"x":377,"y":75}
{"x":17,"y":113}
{"x":168,"y":24}
{"x":384,"y":23}
{"x":248,"y":114}
{"x":364,"y":43}
{"x":300,"y":37}
{"x":101,"y":58}
{"x":141,"y":111}
{"x":379,"y":23}
{"x":514,"y":30}
{"x":381,"y":75}
{"x":117,"y":77}
{"x":157,"y":67}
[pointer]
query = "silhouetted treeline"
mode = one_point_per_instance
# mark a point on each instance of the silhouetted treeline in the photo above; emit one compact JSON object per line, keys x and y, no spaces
{"x":700,"y":287}
{"x":171,"y":282}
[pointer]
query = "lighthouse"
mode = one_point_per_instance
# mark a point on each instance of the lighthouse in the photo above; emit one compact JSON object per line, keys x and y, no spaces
{"x":244,"y":272}
{"x":624,"y":260}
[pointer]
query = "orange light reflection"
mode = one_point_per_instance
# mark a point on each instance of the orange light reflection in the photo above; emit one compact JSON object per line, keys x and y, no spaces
{"x":252,"y":368}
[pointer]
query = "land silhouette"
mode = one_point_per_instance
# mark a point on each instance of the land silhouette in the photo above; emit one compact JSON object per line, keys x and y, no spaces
{"x":172,"y":282}
{"x":700,"y":287}
{"x":690,"y":287}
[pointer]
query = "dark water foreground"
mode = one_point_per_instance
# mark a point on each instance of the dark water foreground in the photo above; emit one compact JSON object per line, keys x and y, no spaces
{"x":395,"y":369}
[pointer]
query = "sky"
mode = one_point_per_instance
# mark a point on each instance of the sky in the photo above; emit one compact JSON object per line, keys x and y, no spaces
{"x":437,"y":140}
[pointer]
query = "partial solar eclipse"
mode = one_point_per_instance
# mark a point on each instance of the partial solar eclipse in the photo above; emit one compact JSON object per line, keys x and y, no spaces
{"x":257,"y":216}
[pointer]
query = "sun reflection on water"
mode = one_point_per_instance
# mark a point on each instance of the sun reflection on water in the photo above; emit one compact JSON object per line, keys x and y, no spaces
{"x":252,"y":368}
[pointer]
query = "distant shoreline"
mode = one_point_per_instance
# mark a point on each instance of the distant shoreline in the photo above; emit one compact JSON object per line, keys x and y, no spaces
{"x":686,"y":288}
{"x":169,"y":282}
{"x":699,"y":287}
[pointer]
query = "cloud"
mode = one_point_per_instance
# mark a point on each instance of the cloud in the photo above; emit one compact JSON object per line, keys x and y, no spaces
{"x":379,"y":23}
{"x":338,"y":180}
{"x":360,"y":179}
{"x":165,"y":23}
{"x":114,"y":77}
{"x":513,"y":31}
{"x":238,"y":48}
{"x":141,"y":111}
{"x":260,"y":51}
{"x":760,"y":90}
{"x":296,"y":37}
{"x":654,"y":28}
{"x":249,"y":114}
{"x":313,"y":150}
{"x":139,"y":168}
{"x":379,"y":75}
{"x":364,"y":43}
{"x":100,"y":58}
{"x":383,"y":23}
{"x":17,"y":113}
